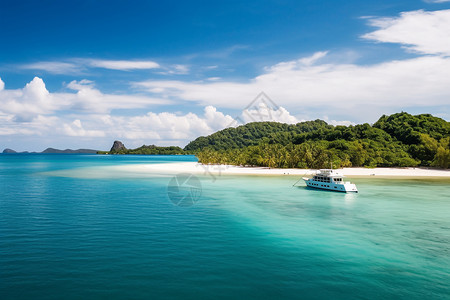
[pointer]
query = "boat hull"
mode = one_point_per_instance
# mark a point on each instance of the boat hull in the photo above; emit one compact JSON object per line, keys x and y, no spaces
{"x":330,"y":186}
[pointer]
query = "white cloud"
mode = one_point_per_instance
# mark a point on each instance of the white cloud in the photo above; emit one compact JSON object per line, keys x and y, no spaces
{"x":26,"y":103}
{"x":38,"y":126}
{"x":135,"y":130}
{"x":55,"y":67}
{"x":263,"y":112}
{"x":436,"y":1}
{"x":76,"y":129}
{"x":304,"y":61}
{"x":38,"y":111}
{"x":175,"y":70}
{"x":124,"y":65}
{"x":91,"y":100}
{"x":34,"y":99}
{"x":2,"y":84}
{"x":181,"y":69}
{"x":354,"y":92}
{"x":336,"y":123}
{"x":169,"y":126}
{"x":80,"y":65}
{"x":425,"y":32}
{"x":79,"y":85}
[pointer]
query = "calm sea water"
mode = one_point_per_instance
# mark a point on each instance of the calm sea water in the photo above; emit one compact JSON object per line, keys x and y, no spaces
{"x":73,"y":227}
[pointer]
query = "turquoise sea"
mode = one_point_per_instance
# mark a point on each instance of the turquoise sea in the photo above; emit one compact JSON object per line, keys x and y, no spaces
{"x":73,"y":227}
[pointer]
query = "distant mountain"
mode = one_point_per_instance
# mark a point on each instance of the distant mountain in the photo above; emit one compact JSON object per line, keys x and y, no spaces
{"x":117,"y":147}
{"x":7,"y":151}
{"x":69,"y":151}
{"x":54,"y":151}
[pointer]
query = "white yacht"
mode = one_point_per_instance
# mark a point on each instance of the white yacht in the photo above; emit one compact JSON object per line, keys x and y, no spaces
{"x":328,"y":179}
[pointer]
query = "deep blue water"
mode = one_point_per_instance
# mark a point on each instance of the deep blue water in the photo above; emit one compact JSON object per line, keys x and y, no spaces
{"x":73,"y":226}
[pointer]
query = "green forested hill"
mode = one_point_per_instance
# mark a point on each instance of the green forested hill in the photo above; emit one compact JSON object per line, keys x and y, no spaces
{"x":253,"y":134}
{"x":398,"y":140}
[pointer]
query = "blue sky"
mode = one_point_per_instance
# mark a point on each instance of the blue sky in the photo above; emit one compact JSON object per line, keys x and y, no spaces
{"x":84,"y":73}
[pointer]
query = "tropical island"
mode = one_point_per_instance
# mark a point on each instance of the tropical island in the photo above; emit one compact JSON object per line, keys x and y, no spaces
{"x":119,"y":148}
{"x":398,"y":140}
{"x":53,"y":151}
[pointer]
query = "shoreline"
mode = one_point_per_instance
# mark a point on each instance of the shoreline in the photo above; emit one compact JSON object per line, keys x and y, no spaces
{"x":219,"y":170}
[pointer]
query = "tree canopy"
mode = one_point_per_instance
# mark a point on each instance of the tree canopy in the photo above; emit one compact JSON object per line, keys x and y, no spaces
{"x":398,"y":140}
{"x":149,"y":150}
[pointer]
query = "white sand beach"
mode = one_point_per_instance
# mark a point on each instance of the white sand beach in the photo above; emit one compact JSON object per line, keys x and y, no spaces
{"x":217,"y":170}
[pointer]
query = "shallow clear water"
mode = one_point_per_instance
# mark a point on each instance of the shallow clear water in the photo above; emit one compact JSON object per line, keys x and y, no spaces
{"x":71,"y":227}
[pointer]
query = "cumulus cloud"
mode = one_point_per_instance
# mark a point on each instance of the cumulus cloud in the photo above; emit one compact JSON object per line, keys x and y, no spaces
{"x":170,"y":126}
{"x":76,"y":129}
{"x":264,"y":112}
{"x":38,"y":126}
{"x":351,"y":91}
{"x":336,"y":122}
{"x":34,"y":99}
{"x":145,"y":128}
{"x":26,"y":103}
{"x":425,"y":32}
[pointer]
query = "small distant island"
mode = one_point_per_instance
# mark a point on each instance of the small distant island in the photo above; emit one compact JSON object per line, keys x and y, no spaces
{"x":53,"y":151}
{"x":398,"y":140}
{"x":119,"y":148}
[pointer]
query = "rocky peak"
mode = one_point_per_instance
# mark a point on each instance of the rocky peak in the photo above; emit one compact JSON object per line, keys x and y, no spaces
{"x":7,"y":150}
{"x":117,"y":146}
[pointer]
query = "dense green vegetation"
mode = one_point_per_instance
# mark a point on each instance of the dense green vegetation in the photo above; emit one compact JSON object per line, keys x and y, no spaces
{"x":399,"y":140}
{"x":148,"y":150}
